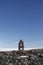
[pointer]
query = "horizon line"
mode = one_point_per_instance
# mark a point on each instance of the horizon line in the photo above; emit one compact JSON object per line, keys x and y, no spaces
{"x":11,"y":49}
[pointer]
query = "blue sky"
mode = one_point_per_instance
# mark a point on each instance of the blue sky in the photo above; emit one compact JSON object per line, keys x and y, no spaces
{"x":21,"y":19}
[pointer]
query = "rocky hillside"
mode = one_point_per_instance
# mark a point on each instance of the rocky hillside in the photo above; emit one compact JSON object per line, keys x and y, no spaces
{"x":35,"y":57}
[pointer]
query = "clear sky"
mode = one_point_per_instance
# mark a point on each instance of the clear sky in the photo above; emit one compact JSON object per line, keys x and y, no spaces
{"x":21,"y":19}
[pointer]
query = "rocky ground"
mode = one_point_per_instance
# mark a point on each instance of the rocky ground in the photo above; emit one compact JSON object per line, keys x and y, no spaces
{"x":35,"y":57}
